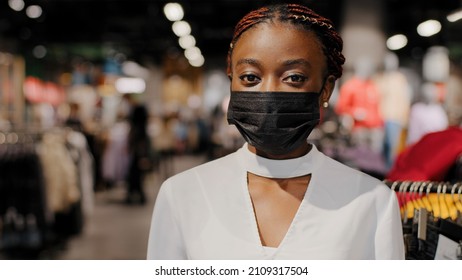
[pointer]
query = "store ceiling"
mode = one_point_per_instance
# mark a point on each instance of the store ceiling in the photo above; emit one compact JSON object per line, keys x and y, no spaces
{"x":140,"y":29}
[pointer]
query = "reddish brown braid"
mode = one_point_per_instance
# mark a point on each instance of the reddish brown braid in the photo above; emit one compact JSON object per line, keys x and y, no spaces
{"x":298,"y":15}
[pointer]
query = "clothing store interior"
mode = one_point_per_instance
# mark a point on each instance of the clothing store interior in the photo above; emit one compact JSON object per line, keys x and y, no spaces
{"x":77,"y":77}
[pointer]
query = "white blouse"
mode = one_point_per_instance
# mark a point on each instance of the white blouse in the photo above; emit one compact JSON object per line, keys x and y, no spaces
{"x":206,"y":212}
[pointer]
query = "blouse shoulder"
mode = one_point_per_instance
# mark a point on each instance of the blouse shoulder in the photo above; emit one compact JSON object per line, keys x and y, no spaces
{"x":344,"y":175}
{"x":218,"y":169}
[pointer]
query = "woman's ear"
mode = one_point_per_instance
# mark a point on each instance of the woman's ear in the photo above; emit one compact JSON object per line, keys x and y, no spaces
{"x":327,"y":90}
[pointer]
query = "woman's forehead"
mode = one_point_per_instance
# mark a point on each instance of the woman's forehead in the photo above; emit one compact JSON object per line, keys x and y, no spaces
{"x":276,"y":40}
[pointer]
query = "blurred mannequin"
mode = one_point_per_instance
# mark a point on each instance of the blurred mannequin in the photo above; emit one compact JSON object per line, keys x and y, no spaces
{"x":358,"y":103}
{"x":395,"y":104}
{"x":427,"y":115}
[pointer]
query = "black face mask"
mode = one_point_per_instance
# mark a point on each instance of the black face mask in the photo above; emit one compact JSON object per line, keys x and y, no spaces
{"x":274,"y":122}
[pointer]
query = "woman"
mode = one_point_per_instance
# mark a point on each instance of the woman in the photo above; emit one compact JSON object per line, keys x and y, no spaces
{"x":277,"y":197}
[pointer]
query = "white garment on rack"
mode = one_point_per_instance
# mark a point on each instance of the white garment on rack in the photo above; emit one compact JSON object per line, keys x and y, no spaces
{"x":60,"y":172}
{"x":85,"y":165}
{"x":206,"y":212}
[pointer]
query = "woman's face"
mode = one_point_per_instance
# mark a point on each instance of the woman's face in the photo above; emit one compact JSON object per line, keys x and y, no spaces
{"x":279,"y":57}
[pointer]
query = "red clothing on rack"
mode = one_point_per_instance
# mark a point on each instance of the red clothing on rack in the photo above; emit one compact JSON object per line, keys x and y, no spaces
{"x":430,"y":158}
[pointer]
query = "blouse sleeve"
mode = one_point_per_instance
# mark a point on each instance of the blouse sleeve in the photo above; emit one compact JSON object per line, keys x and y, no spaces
{"x":165,"y":238}
{"x":389,"y":242}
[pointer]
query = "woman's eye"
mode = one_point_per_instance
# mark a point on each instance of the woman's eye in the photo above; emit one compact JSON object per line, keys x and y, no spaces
{"x":249,"y":78}
{"x":296,"y":78}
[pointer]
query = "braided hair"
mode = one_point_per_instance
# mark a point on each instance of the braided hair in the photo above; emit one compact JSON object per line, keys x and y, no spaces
{"x":304,"y":17}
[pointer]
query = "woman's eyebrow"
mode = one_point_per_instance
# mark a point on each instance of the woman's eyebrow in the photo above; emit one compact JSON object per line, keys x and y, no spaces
{"x":289,"y":62}
{"x":250,"y":61}
{"x":299,"y":61}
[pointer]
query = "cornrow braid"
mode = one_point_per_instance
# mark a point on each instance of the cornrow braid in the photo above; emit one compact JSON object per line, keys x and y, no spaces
{"x":248,"y":21}
{"x":298,"y":15}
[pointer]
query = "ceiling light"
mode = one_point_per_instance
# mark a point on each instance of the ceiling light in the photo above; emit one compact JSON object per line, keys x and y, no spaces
{"x":173,"y":11}
{"x":192,"y":53}
{"x":396,"y":42}
{"x":16,"y":5}
{"x":39,"y":51}
{"x":187,"y":41}
{"x":34,"y":11}
{"x":197,"y":62}
{"x":455,"y":16}
{"x":429,"y":28}
{"x":181,"y":28}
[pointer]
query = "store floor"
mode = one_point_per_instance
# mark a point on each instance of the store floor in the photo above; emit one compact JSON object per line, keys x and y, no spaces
{"x":115,"y":230}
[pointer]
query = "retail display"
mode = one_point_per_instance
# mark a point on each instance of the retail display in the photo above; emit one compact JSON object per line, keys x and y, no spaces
{"x":431,"y":218}
{"x":46,"y":189}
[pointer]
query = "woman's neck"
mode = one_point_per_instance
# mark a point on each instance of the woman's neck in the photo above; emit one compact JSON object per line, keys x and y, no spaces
{"x":299,"y":152}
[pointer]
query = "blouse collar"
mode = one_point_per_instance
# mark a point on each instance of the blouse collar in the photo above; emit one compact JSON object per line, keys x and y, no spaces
{"x":287,"y":168}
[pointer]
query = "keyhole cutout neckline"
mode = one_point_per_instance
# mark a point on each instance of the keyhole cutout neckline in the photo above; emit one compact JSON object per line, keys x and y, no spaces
{"x":275,"y":204}
{"x":305,"y":165}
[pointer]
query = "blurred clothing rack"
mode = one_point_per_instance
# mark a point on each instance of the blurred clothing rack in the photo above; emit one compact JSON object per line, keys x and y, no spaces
{"x":431,"y":215}
{"x":425,"y":187}
{"x":46,"y":190}
{"x":440,"y":199}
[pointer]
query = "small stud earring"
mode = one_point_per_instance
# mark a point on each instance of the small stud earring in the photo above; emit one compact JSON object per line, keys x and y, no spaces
{"x":325,"y":104}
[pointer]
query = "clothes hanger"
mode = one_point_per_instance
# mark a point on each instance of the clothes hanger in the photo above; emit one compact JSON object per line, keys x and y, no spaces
{"x":434,"y":200}
{"x":411,"y":200}
{"x":418,"y":192}
{"x":444,"y":208}
{"x":458,"y":201}
{"x":401,"y":201}
{"x":454,"y":210}
{"x":459,"y":205}
{"x":393,"y":186}
{"x":408,"y":205}
{"x":414,"y":195}
{"x":426,"y":199}
{"x":449,"y":201}
{"x":410,"y":194}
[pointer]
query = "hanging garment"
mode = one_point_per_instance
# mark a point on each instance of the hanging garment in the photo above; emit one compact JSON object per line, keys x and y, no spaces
{"x":207,"y":213}
{"x":443,"y":241}
{"x":60,"y":179}
{"x":84,"y":161}
{"x":430,"y":159}
{"x":24,"y":215}
{"x":432,"y":224}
